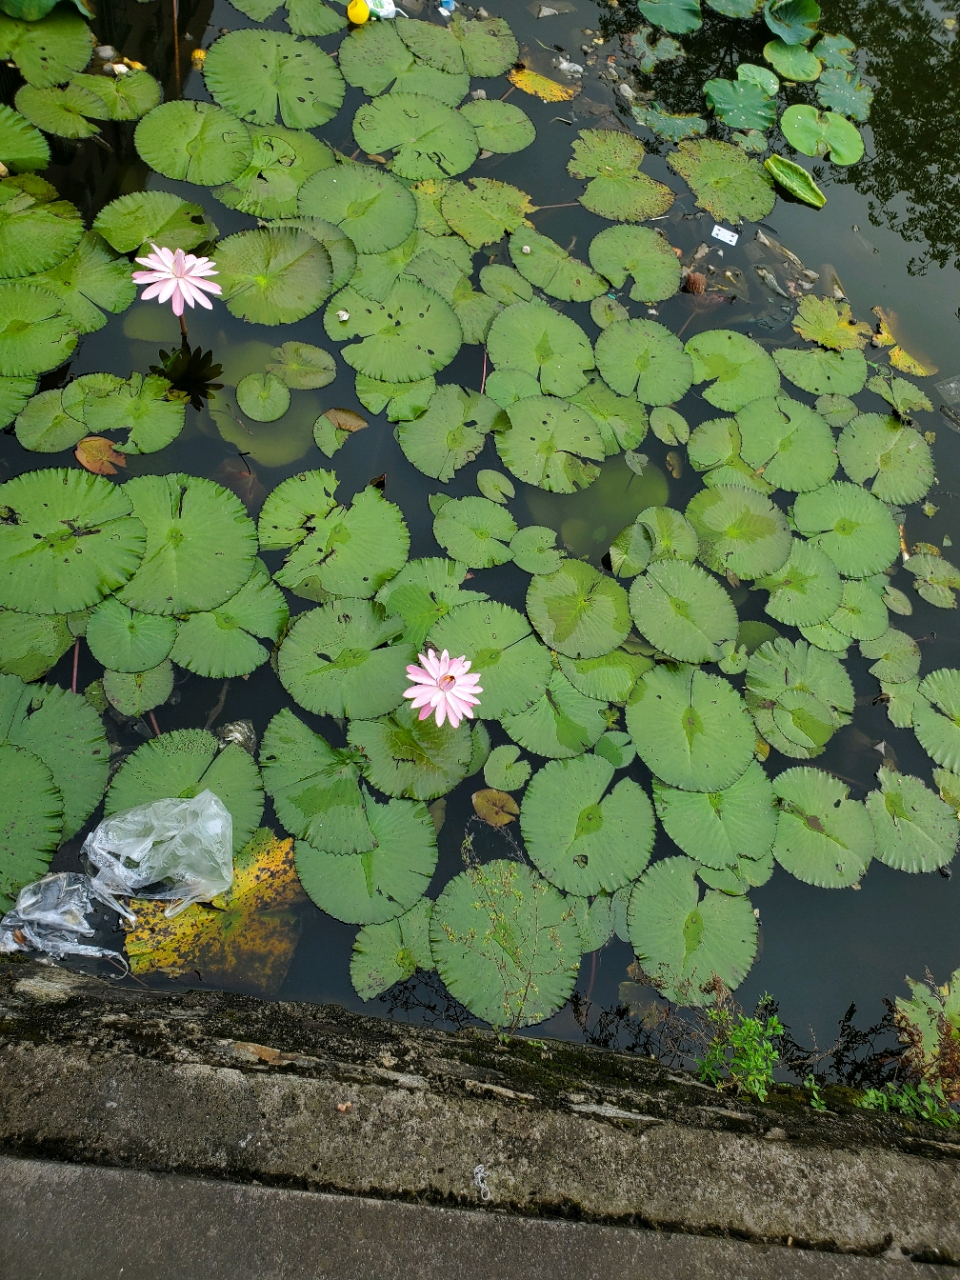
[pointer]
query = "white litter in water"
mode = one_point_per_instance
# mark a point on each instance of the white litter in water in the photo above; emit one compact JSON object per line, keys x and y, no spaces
{"x":728,"y":237}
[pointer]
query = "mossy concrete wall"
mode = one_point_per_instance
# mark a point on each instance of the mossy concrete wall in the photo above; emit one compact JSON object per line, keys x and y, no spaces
{"x":315,"y":1098}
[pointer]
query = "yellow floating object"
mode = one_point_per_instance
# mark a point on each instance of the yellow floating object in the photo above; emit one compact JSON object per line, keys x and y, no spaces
{"x":358,"y":12}
{"x":198,"y":58}
{"x":899,"y":357}
{"x":541,"y":86}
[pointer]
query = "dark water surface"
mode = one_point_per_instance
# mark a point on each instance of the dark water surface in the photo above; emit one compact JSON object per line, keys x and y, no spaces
{"x":890,"y":231}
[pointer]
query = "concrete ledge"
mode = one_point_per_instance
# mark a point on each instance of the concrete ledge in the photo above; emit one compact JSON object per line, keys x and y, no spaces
{"x":77,"y":1222}
{"x":317,"y":1099}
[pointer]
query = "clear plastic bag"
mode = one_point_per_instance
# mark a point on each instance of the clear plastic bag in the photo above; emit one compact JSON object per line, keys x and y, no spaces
{"x":51,"y":915}
{"x":171,"y":849}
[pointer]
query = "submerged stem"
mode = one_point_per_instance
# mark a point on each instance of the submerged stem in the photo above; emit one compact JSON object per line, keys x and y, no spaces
{"x":176,"y":49}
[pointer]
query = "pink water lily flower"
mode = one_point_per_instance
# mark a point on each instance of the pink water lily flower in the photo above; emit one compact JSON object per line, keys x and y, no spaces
{"x":178,"y":278}
{"x":442,"y":686}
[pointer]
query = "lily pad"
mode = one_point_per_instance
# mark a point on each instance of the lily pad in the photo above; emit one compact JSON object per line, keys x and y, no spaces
{"x":691,"y":729}
{"x":200,"y":547}
{"x":315,"y":787}
{"x":134,"y":693}
{"x":741,"y":104}
{"x":845,"y":93}
{"x":915,"y":830}
{"x":181,"y":765}
{"x":93,"y":276}
{"x":225,"y":642}
{"x":683,"y":611}
{"x":616,"y":189}
{"x":621,"y":420}
{"x":799,"y":696}
{"x":423,"y":592}
{"x":410,"y":335}
{"x":375,"y":210}
{"x":23,"y":147}
{"x":31,"y":821}
{"x":936,"y":580}
{"x":717,"y":829}
{"x":534,"y":549}
{"x":489,"y":46}
{"x":583,"y":838}
{"x":683,"y":941}
{"x":282,"y":161}
{"x":678,"y":16}
{"x":273,"y":275}
{"x":475,"y":531}
{"x":450,"y":434}
{"x":142,"y":218}
{"x":806,"y":589}
{"x":67,"y":539}
{"x":670,"y":127}
{"x":384,"y":954}
{"x":726,"y":182}
{"x":121,"y":97}
{"x":39,"y":333}
{"x":505,"y":771}
{"x":855,"y":529}
{"x":61,"y":112}
{"x":894,"y":455}
{"x":500,"y":126}
{"x":35,"y":234}
{"x":411,"y":758}
{"x":533,"y":337}
{"x":792,"y":61}
{"x":897,"y":656}
{"x":640,"y":253}
{"x":740,"y":531}
{"x":823,"y":837}
{"x":194,"y":141}
{"x":542,"y":261}
{"x":122,"y":639}
{"x":263,"y":397}
{"x":47,"y":52}
{"x":609,"y":678}
{"x":578,"y":611}
{"x":830,"y":324}
{"x":643,"y":358}
{"x":379,"y":883}
{"x":31,"y":643}
{"x":823,"y":372}
{"x":256,"y":74}
{"x":139,"y":406}
{"x":794,"y":21}
{"x":303,"y":367}
{"x":547,"y":441}
{"x":824,"y":133}
{"x":742,"y":371}
{"x":788,"y":442}
{"x":506,"y":943}
{"x":560,"y":724}
{"x":428,"y":138}
{"x":484,"y":210}
{"x":936,"y":717}
{"x":514,"y":667}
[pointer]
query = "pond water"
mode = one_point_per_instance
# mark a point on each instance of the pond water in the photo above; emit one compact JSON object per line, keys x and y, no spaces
{"x":888,"y":234}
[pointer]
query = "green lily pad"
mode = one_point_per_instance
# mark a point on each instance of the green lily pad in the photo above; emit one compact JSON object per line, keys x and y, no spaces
{"x":542,"y":261}
{"x":691,"y":729}
{"x":547,"y":441}
{"x":514,"y":667}
{"x":475,"y":531}
{"x":142,"y":218}
{"x":742,"y":371}
{"x":578,"y":611}
{"x":905,"y":397}
{"x":14,"y":395}
{"x":578,"y":836}
{"x":315,"y":788}
{"x":824,"y":133}
{"x":897,"y":656}
{"x":504,"y":771}
{"x":670,"y":533}
{"x":678,"y":16}
{"x":855,"y":529}
{"x":750,"y":73}
{"x":506,"y":943}
{"x":450,"y":434}
{"x":726,"y":182}
{"x":67,"y":539}
{"x":740,"y":531}
{"x":121,"y":97}
{"x":273,"y":275}
{"x":534,"y":549}
{"x":181,"y":765}
{"x":139,"y":406}
{"x":225,"y":642}
{"x":375,"y":210}
{"x":339,"y":660}
{"x":936,"y":717}
{"x":428,"y":138}
{"x":61,"y":112}
{"x":303,"y":367}
{"x":194,"y":141}
{"x":482,"y":212}
{"x":621,"y":420}
{"x":423,"y":592}
{"x":410,"y":335}
{"x":894,"y":455}
{"x":384,"y":954}
{"x":683,"y":941}
{"x":200,"y":547}
{"x":134,"y":693}
{"x":609,"y":678}
{"x":507,"y":386}
{"x":31,"y":643}
{"x":122,"y":639}
{"x":373,"y":56}
{"x":23,"y":147}
{"x":255,"y":74}
{"x":505,"y":285}
{"x":806,"y":589}
{"x":411,"y":758}
{"x":834,"y":51}
{"x":799,"y":696}
{"x":670,"y":127}
{"x":93,"y":276}
{"x":47,"y":52}
{"x":683,"y":611}
{"x":31,"y":820}
{"x":794,"y":21}
{"x":790,"y":443}
{"x":826,"y":637}
{"x":616,"y":189}
{"x":792,"y":61}
{"x":915,"y":830}
{"x":717,"y":829}
{"x":35,"y":235}
{"x":489,"y":46}
{"x":561,"y":723}
{"x":845,"y":93}
{"x":640,"y":253}
{"x":643,"y":358}
{"x":823,"y":837}
{"x":379,"y":883}
{"x":714,"y":448}
{"x":501,"y":127}
{"x":795,"y":179}
{"x":936,"y":580}
{"x":263,"y":397}
{"x":282,"y":161}
{"x":862,"y":614}
{"x":823,"y":372}
{"x":533,"y":337}
{"x":741,"y":104}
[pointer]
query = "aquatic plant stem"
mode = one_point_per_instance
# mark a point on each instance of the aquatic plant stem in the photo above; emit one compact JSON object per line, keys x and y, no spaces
{"x":76,"y":661}
{"x":483,"y":380}
{"x":156,"y":727}
{"x":183,"y":329}
{"x":176,"y":49}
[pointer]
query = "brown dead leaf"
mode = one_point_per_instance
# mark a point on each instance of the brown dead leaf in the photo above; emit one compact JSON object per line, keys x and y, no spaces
{"x":541,"y":87}
{"x":345,"y":420}
{"x":495,"y":807}
{"x":675,"y":464}
{"x":97,"y":454}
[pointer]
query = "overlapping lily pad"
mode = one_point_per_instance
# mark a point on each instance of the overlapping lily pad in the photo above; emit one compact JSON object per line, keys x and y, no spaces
{"x":739,"y":369}
{"x":561,"y":723}
{"x":740,"y":531}
{"x":142,"y":218}
{"x":514,"y":667}
{"x":855,"y":529}
{"x":741,"y":104}
{"x":616,"y":188}
{"x":49,"y":51}
{"x":820,"y":372}
{"x":936,"y":717}
{"x":719,"y":828}
{"x":501,"y":127}
{"x":823,"y":837}
{"x":788,"y":442}
{"x":273,"y":275}
{"x":683,"y":611}
{"x":935,"y":579}
{"x":579,"y":611}
{"x":258,"y":74}
{"x":31,"y":821}
{"x":35,"y":234}
{"x":410,"y":335}
{"x":643,"y":358}
{"x":806,"y":589}
{"x":226,"y":641}
{"x":24,"y":145}
{"x":533,"y":337}
{"x":583,"y":838}
{"x":450,"y":434}
{"x":550,"y":268}
{"x":375,"y":210}
{"x":282,"y":161}
{"x":411,"y":758}
{"x":622,"y":421}
{"x":428,"y":138}
{"x":547,"y":442}
{"x":882,"y":448}
{"x":475,"y":531}
{"x":609,"y":678}
{"x":384,"y":954}
{"x":799,"y":696}
{"x":726,"y":182}
{"x":423,"y":592}
{"x":31,"y":643}
{"x":915,"y":830}
{"x":123,"y":639}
